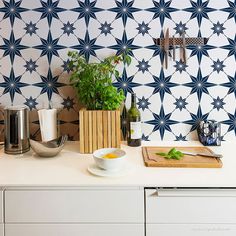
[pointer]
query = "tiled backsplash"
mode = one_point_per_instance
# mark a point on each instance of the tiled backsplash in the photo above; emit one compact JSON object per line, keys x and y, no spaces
{"x":35,"y":37}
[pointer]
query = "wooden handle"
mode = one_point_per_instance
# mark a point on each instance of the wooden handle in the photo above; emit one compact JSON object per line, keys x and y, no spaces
{"x":174,"y":47}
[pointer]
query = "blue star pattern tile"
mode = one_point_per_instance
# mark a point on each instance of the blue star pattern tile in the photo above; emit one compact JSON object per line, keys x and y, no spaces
{"x":180,"y":28}
{"x":66,"y":66}
{"x":218,"y":66}
{"x":126,"y":83}
{"x":12,"y":84}
{"x":31,"y":103}
{"x":231,"y":9}
{"x":180,"y":103}
{"x":162,"y":10}
{"x":231,"y":47}
{"x":218,"y":28}
{"x":49,"y":10}
{"x":231,"y":85}
{"x":124,"y":9}
{"x":218,"y":103}
{"x":196,"y":119}
{"x":30,"y":66}
{"x":199,"y":85}
{"x":49,"y":47}
{"x":143,"y":66}
{"x":157,"y":50}
{"x":68,"y":103}
{"x":49,"y":84}
{"x":180,"y":138}
{"x":87,"y":9}
{"x":68,"y":28}
{"x":143,"y":103}
{"x":199,"y":10}
{"x":180,"y":66}
{"x":12,"y":9}
{"x":30,"y":28}
{"x":124,"y":45}
{"x":35,"y":37}
{"x":231,"y":122}
{"x":143,"y":28}
{"x":162,"y":122}
{"x":162,"y":84}
{"x":200,"y":51}
{"x":12,"y":47}
{"x":105,"y":28}
{"x":87,"y":46}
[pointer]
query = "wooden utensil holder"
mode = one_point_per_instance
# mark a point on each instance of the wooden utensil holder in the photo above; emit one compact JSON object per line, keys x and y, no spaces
{"x":99,"y":129}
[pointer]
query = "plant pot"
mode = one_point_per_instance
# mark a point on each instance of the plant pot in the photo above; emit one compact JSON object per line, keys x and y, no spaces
{"x":99,"y":129}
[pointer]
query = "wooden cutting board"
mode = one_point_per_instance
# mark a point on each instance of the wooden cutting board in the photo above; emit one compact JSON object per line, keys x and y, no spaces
{"x":153,"y":160}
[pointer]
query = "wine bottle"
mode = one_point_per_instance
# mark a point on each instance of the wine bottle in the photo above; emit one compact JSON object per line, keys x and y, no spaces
{"x":134,"y":132}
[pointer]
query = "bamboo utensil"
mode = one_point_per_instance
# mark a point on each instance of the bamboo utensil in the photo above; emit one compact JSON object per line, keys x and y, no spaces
{"x":166,"y":47}
{"x":174,"y":48}
{"x":184,"y":48}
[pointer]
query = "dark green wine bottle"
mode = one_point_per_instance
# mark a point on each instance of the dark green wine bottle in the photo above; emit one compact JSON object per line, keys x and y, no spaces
{"x":134,"y":132}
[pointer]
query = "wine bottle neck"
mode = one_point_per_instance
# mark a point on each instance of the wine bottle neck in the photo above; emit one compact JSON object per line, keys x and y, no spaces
{"x":133,"y":100}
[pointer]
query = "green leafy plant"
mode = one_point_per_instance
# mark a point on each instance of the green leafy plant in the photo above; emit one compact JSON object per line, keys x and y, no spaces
{"x":93,"y":81}
{"x":172,"y":154}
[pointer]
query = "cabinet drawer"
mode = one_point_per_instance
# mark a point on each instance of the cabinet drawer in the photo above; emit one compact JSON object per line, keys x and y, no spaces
{"x":74,"y":229}
{"x":1,"y":230}
{"x":191,"y":229}
{"x":1,"y":206}
{"x":69,"y":206}
{"x":190,"y":206}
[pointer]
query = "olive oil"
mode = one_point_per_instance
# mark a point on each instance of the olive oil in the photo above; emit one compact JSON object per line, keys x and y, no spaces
{"x":134,"y":131}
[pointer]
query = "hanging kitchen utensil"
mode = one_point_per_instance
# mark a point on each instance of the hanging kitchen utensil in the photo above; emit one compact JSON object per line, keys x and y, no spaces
{"x":166,"y":47}
{"x":174,"y":47}
{"x":181,"y":51}
{"x":184,"y":49}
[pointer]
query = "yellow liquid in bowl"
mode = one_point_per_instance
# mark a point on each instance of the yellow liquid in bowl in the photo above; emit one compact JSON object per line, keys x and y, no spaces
{"x":110,"y":156}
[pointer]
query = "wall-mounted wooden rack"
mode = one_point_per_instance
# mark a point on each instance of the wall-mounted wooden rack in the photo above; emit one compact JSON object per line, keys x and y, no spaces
{"x":168,"y":43}
{"x":179,"y":41}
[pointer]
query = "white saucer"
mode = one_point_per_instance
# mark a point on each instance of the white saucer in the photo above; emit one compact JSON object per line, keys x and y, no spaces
{"x":95,"y":170}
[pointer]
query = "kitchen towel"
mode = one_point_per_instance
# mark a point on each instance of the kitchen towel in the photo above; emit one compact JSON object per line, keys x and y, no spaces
{"x":48,"y":124}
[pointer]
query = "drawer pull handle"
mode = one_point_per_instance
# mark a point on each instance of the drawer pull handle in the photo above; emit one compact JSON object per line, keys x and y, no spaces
{"x":193,"y":193}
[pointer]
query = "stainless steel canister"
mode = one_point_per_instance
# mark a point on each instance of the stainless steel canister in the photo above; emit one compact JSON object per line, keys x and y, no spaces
{"x":16,"y":129}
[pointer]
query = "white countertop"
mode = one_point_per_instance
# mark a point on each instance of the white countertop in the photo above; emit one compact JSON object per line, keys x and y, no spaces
{"x":69,"y":169}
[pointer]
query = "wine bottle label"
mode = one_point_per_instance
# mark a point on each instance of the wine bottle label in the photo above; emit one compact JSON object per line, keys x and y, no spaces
{"x":135,"y":130}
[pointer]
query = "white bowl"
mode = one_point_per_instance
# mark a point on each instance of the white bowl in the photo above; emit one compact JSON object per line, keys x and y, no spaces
{"x":114,"y":164}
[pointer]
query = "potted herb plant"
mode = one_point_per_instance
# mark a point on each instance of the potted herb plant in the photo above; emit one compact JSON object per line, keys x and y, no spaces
{"x":100,"y":117}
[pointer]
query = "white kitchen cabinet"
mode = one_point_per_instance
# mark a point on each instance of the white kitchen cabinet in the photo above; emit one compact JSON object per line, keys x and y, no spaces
{"x":72,"y":206}
{"x":190,"y":206}
{"x":191,"y":229}
{"x":1,"y":207}
{"x":74,"y":229}
{"x":195,"y":212}
{"x":1,"y":229}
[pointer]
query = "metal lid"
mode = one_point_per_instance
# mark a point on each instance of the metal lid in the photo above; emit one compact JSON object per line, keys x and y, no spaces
{"x":16,"y":108}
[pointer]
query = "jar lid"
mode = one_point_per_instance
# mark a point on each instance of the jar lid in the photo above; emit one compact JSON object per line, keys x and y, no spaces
{"x":16,"y":108}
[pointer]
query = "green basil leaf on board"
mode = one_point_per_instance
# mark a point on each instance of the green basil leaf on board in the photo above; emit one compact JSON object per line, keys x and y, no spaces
{"x":172,"y":154}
